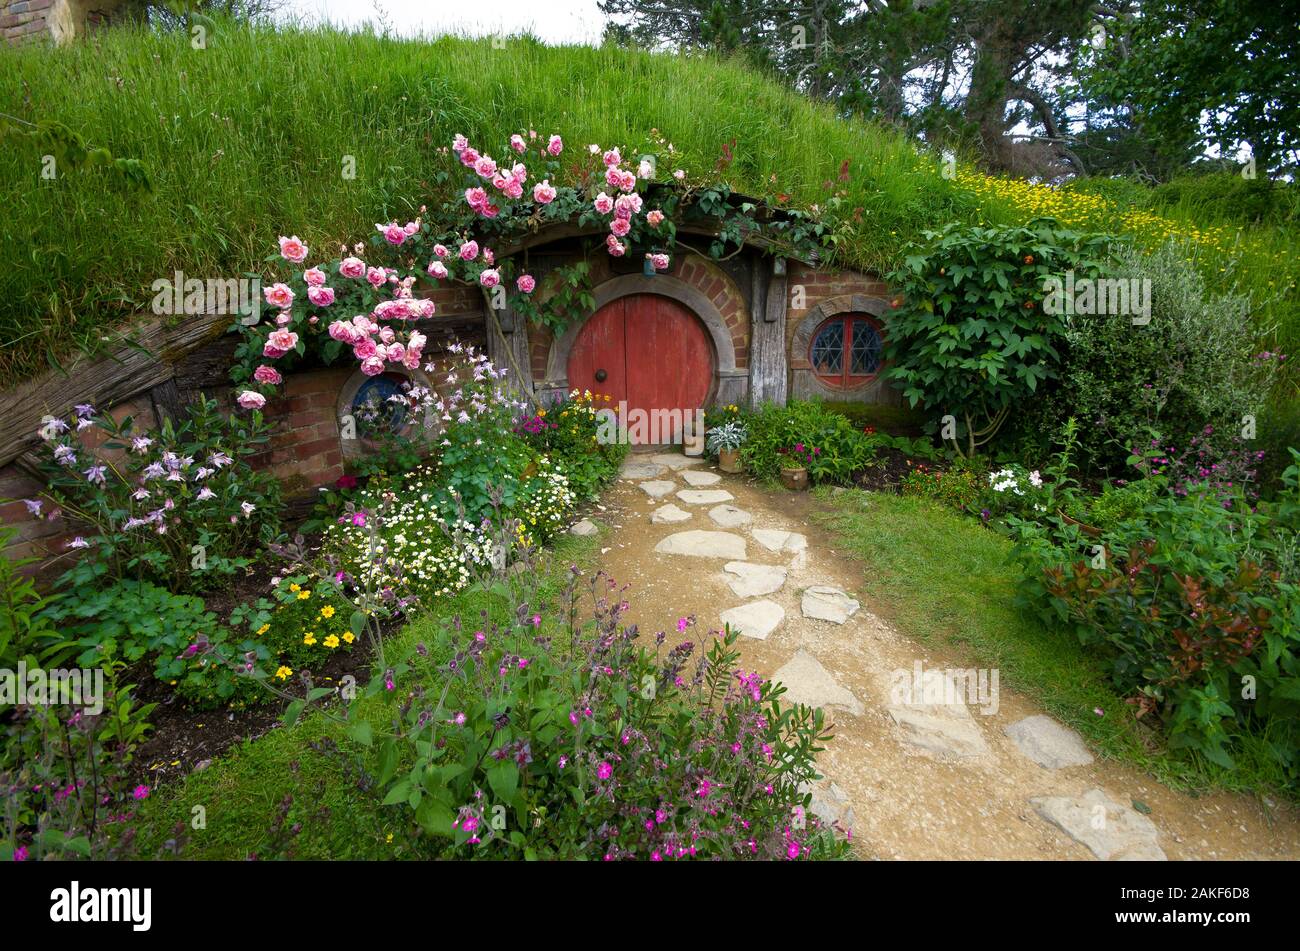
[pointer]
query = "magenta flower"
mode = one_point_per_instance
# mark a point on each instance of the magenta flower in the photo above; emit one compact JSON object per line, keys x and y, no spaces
{"x":140,"y":793}
{"x":604,"y":771}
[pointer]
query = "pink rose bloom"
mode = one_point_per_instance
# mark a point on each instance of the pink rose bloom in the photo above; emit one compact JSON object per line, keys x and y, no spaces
{"x":500,"y":181}
{"x":603,"y":203}
{"x":490,"y":278}
{"x":283,"y":318}
{"x":679,"y":174}
{"x":396,"y":352}
{"x":364,"y":349}
{"x":655,"y":218}
{"x":437,"y":270}
{"x":321,"y":296}
{"x":372,"y":366}
{"x":490,"y":210}
{"x":459,"y":143}
{"x":620,"y":226}
{"x":555,"y":145}
{"x":613,"y":177}
{"x":519,"y":172}
{"x":485,"y":167}
{"x":612,"y":158}
{"x":544,"y":193}
{"x":526,"y":283}
{"x":488,"y":256}
{"x":271,"y":351}
{"x":468,"y":157}
{"x":278,"y":295}
{"x":411,"y":228}
{"x":412,"y":361}
{"x":267,"y":374}
{"x":615,"y":246}
{"x":629,"y":203}
{"x":343,"y":332}
{"x":468,"y":251}
{"x":292,"y":249}
{"x":518,"y":144}
{"x":659,"y":261}
{"x":476,"y":198}
{"x":352,"y":267}
{"x":314,"y":276}
{"x":393,"y":232}
{"x":387,"y":335}
{"x":514,"y":190}
{"x":627,"y":181}
{"x":646,"y":169}
{"x":376,"y":276}
{"x":250,"y":399}
{"x":440,"y":250}
{"x":283,"y":340}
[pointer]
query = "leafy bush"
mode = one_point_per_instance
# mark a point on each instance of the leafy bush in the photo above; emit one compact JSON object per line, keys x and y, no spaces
{"x":775,"y":430}
{"x":301,"y":626}
{"x":568,"y":432}
{"x":970,"y":336}
{"x":179,"y":505}
{"x":1197,"y":602}
{"x":1194,"y":364}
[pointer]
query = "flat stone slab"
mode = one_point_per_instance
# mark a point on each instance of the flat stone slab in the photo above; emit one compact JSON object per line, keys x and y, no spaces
{"x":584,"y":527}
{"x":1048,"y":743}
{"x":635,"y":469}
{"x":1112,"y":831}
{"x":828,"y":604}
{"x":669,"y":515}
{"x":703,"y":544}
{"x":808,"y":682}
{"x":753,"y":580}
{"x":705,"y":496}
{"x":829,"y":804}
{"x":774,"y":539}
{"x":675,"y":461}
{"x":943,"y":726}
{"x":728,"y":516}
{"x":700,"y":479}
{"x":756,"y":619}
{"x":658,"y":488}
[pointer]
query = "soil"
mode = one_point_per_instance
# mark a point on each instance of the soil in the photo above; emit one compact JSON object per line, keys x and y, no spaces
{"x":907,"y":804}
{"x":886,"y":473}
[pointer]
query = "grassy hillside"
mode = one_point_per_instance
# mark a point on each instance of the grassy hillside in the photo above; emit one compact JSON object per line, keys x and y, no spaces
{"x":246,"y":139}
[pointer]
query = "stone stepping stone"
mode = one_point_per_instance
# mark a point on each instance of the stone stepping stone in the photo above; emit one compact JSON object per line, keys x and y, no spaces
{"x":1124,"y":834}
{"x":640,"y":470}
{"x":675,"y":461}
{"x":658,"y":488}
{"x":1048,"y":743}
{"x":777,"y":540}
{"x":702,"y":544}
{"x":705,"y":496}
{"x":700,"y":479}
{"x":828,"y":604}
{"x":584,"y":527}
{"x":728,"y":516}
{"x":757,"y":619}
{"x":753,"y":580}
{"x":808,"y":682}
{"x":943,"y":725}
{"x":669,"y":515}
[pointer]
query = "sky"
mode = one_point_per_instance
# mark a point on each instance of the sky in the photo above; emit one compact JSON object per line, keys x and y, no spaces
{"x":553,"y":21}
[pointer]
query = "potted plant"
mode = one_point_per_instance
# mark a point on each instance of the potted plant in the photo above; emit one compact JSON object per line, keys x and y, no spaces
{"x":794,"y":474}
{"x":725,"y":441}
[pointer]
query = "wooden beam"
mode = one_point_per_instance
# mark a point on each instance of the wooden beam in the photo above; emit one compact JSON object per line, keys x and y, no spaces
{"x":768,"y":359}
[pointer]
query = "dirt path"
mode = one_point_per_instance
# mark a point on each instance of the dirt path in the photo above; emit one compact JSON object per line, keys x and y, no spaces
{"x":914,"y":780}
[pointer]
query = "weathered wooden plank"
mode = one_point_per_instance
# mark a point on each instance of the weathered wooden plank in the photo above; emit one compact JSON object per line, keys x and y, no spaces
{"x":769,"y":363}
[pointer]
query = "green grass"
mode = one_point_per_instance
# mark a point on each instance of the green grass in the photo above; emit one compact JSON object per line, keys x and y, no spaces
{"x":945,"y":580}
{"x":242,"y":791}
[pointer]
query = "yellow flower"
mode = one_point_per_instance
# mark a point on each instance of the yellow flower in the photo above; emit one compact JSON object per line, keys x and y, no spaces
{"x":304,"y":595}
{"x":294,"y":587}
{"x":283,"y":672}
{"x":389,"y":838}
{"x":349,"y":636}
{"x":309,"y":638}
{"x":328,"y":610}
{"x":332,"y":641}
{"x":263,"y":629}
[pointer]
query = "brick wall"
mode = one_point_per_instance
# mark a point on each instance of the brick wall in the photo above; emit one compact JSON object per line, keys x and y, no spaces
{"x":24,"y":20}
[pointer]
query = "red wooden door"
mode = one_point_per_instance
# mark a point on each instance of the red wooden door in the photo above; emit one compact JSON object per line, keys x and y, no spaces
{"x":655,"y":354}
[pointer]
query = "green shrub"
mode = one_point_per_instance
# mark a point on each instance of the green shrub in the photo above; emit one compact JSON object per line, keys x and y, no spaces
{"x":1194,"y":364}
{"x":775,"y":431}
{"x":961,"y":486}
{"x":568,"y":432}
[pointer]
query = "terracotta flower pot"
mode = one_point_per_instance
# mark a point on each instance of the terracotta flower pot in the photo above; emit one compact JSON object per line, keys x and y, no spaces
{"x":796,"y":480}
{"x":729,"y":460}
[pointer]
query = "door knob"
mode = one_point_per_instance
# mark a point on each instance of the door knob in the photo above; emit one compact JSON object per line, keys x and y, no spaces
{"x":600,"y":376}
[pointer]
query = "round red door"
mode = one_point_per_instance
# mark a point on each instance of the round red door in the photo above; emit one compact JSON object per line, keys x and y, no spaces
{"x":646,"y":352}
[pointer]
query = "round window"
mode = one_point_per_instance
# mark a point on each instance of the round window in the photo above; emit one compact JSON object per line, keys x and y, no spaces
{"x":374,"y":408}
{"x":845,"y":351}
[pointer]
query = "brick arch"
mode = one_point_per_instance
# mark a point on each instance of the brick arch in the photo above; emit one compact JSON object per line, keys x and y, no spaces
{"x":700,"y":286}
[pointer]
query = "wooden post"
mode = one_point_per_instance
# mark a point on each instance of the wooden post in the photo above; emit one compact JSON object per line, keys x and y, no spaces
{"x":769,"y":362}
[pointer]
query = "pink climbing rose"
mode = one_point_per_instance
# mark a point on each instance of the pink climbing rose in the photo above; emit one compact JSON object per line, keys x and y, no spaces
{"x":278,"y":295}
{"x":555,"y":145}
{"x":251,"y":399}
{"x":352,"y":267}
{"x":544,"y":193}
{"x":321,"y":296}
{"x":292,"y":249}
{"x":267,"y":374}
{"x":526,"y":283}
{"x":314,"y":277}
